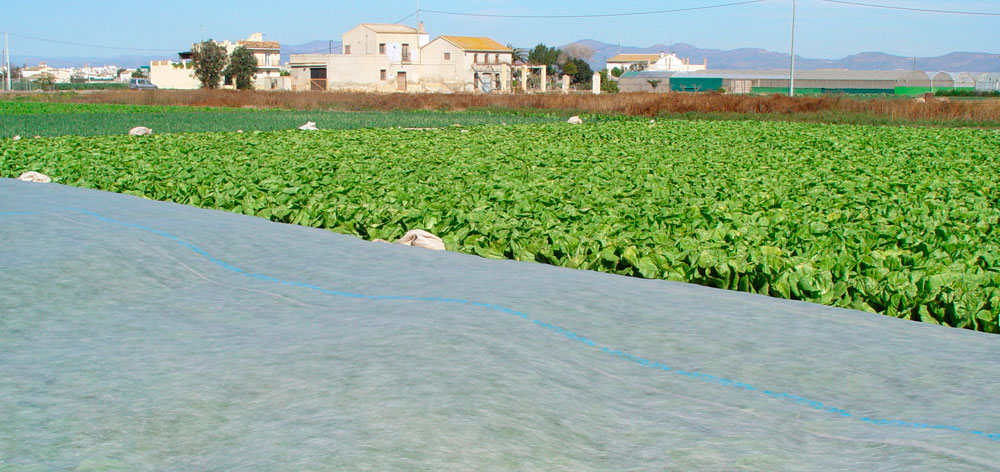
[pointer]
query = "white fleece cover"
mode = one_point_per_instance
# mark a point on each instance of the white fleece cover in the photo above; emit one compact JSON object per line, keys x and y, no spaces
{"x":140,"y":335}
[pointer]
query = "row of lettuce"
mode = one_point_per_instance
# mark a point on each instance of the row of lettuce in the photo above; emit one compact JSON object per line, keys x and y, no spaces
{"x":899,"y":221}
{"x":48,"y":119}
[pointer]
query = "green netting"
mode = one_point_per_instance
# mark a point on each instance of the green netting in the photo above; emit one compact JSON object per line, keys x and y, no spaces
{"x":695,"y":84}
{"x":912,"y":90}
{"x":140,"y":335}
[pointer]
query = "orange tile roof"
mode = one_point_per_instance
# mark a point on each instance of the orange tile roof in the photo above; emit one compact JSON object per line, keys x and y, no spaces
{"x":634,"y":58}
{"x":474,"y":43}
{"x":259,"y":44}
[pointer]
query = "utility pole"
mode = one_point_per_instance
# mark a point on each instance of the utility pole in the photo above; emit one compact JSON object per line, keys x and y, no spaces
{"x":4,"y":64}
{"x":418,"y":14}
{"x":791,"y":67}
{"x":6,"y":55}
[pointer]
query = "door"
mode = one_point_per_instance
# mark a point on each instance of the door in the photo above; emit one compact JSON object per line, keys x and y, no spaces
{"x":317,"y":78}
{"x":401,"y":81}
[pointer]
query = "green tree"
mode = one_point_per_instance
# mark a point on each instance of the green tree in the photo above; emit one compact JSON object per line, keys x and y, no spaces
{"x":608,"y":86}
{"x":617,"y":72}
{"x":139,"y":74}
{"x":581,"y":71}
{"x":46,"y":81}
{"x":543,"y":54}
{"x":209,"y":61}
{"x":242,"y":66}
{"x":569,"y":68}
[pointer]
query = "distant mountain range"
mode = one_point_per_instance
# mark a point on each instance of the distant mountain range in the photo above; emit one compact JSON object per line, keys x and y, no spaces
{"x":761,"y":59}
{"x":742,"y":58}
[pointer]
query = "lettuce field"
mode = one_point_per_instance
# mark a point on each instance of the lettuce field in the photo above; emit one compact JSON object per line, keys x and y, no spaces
{"x":899,"y":221}
{"x":27,"y":118}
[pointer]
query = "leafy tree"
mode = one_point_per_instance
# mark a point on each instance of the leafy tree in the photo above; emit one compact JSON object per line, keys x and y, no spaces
{"x":242,"y":66}
{"x":46,"y":81}
{"x":543,"y":54}
{"x":608,"y":86}
{"x":569,"y":69}
{"x":139,"y":74}
{"x":617,"y":72}
{"x":209,"y":61}
{"x":582,"y":73}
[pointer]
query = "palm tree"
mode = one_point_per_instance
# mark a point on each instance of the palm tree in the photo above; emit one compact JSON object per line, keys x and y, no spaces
{"x":520,"y":54}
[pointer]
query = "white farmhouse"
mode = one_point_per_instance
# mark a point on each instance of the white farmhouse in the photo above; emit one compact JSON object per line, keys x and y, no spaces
{"x":655,"y":62}
{"x":398,"y":58}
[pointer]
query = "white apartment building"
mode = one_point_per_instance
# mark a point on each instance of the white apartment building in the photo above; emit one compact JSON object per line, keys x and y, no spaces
{"x":168,"y":74}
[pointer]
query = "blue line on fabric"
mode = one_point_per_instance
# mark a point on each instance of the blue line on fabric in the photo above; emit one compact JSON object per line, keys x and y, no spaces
{"x":18,"y":213}
{"x":816,"y":405}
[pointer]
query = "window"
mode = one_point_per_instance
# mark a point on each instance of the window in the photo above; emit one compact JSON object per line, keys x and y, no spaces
{"x":447,"y":56}
{"x":486,"y":58}
{"x":496,"y":58}
{"x":381,"y":48}
{"x":475,"y":58}
{"x":381,"y":74}
{"x":347,"y":49}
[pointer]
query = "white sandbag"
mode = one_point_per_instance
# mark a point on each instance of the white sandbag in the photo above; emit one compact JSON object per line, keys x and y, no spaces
{"x":574,"y":120}
{"x":33,"y":176}
{"x":309,"y":126}
{"x":140,"y":131}
{"x":421,"y":238}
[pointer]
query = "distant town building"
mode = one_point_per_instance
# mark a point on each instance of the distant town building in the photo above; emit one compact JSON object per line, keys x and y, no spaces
{"x":656,"y":62}
{"x":86,"y":74}
{"x":391,"y":58}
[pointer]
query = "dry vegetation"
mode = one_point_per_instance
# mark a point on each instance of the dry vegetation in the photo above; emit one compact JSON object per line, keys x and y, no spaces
{"x":980,"y":112}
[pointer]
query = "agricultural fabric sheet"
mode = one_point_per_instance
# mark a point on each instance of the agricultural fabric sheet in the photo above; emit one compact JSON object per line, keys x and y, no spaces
{"x":140,"y":335}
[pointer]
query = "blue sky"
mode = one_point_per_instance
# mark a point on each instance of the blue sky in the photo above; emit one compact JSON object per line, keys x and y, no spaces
{"x":823,"y":29}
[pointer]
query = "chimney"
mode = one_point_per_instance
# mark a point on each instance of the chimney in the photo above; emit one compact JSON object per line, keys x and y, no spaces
{"x":422,"y":37}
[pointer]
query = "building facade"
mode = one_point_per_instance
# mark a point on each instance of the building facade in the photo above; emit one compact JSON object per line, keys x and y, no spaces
{"x":398,"y":58}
